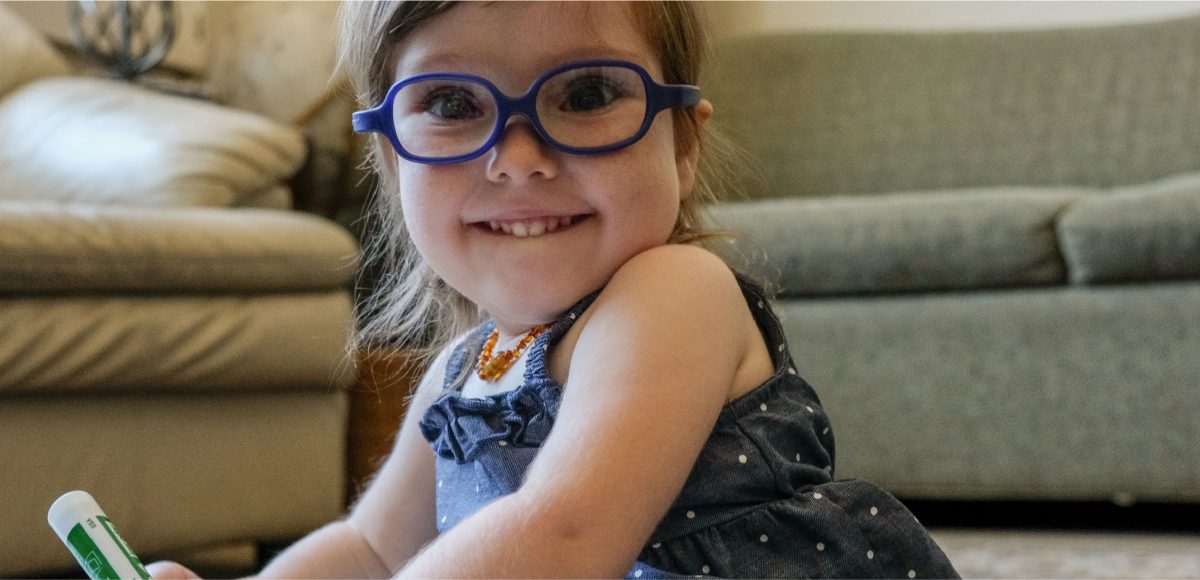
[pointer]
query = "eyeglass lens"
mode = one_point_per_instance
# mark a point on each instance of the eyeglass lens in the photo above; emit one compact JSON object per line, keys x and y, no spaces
{"x":581,"y":107}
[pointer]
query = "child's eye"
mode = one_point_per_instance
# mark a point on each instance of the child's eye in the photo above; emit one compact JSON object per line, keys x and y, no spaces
{"x":589,"y":93}
{"x":451,"y":103}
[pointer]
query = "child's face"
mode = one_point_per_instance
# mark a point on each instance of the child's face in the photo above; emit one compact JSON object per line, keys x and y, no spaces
{"x":619,"y":203}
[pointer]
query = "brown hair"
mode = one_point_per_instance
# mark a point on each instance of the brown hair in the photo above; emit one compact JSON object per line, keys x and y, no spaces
{"x":410,"y":306}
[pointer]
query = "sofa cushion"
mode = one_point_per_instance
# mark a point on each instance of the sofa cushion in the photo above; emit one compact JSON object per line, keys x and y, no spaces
{"x":104,"y":141}
{"x":1145,"y":232}
{"x":54,"y":248}
{"x":901,"y":242}
{"x":25,"y":54}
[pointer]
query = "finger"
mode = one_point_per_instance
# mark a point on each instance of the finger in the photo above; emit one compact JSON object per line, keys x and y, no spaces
{"x":165,"y":570}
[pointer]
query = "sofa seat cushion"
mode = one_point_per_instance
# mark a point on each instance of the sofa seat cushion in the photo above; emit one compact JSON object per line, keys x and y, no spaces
{"x":104,"y":141}
{"x":233,"y":467}
{"x":1147,"y":232}
{"x":55,"y":248}
{"x":901,"y":242}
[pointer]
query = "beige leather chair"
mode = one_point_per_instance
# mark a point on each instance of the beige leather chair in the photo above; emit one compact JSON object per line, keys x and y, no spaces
{"x":172,"y":334}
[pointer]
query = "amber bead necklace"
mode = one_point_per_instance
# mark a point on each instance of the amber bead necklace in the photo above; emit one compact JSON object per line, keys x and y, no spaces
{"x":493,"y":366}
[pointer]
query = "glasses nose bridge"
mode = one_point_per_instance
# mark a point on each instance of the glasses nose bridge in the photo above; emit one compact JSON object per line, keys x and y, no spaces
{"x":524,"y":105}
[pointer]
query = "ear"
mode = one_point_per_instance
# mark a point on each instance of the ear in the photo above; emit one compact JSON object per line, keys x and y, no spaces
{"x":686,"y":164}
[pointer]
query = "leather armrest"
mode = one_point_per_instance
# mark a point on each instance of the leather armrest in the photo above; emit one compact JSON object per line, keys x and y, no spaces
{"x":47,"y":247}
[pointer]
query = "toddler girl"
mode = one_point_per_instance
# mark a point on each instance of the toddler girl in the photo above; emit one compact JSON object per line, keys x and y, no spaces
{"x":609,"y":399}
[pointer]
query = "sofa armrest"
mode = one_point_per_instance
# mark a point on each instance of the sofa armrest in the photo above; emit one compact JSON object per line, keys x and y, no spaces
{"x":51,"y":247}
{"x":72,"y":139}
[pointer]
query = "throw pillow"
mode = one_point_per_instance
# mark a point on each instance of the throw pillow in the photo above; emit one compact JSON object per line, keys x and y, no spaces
{"x":1135,"y":233}
{"x":102,"y":141}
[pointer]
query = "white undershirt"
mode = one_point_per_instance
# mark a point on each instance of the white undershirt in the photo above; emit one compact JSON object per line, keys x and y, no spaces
{"x":513,"y":378}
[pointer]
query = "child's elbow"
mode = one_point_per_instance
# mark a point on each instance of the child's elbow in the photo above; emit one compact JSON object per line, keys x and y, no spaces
{"x":588,"y":539}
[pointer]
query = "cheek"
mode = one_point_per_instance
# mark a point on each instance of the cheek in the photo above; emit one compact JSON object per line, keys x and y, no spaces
{"x":644,"y":193}
{"x":658,"y":173}
{"x":427,"y":208}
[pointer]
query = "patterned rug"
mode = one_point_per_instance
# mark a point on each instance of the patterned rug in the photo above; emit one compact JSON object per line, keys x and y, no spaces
{"x":1053,"y":554}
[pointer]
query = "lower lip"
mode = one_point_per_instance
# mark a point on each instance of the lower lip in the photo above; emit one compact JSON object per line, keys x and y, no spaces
{"x":485,"y":228}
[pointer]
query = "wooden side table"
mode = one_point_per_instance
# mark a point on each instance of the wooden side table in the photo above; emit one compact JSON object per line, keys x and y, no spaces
{"x":378,"y":401}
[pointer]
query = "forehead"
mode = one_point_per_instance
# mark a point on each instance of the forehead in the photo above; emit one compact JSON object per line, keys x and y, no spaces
{"x":522,"y":39}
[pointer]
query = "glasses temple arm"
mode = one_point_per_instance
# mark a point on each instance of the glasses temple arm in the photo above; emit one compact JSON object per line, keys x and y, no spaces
{"x":366,"y":121}
{"x":671,"y":96}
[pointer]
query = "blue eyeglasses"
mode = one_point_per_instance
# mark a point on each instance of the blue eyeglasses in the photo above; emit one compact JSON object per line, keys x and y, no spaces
{"x":584,"y":107}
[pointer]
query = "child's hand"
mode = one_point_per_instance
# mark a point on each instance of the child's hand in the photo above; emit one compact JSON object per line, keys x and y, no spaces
{"x":164,"y":570}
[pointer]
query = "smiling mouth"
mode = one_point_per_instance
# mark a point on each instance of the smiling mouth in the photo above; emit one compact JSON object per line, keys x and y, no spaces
{"x":530,"y":228}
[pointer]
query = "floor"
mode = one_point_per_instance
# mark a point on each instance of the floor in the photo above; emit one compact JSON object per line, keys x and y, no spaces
{"x":1066,"y":540}
{"x":1058,"y":554}
{"x":976,"y":553}
{"x":993,"y":540}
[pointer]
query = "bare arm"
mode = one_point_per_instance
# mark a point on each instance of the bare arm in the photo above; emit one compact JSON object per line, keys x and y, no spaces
{"x":389,"y":524}
{"x":648,"y":377}
{"x":393,"y":519}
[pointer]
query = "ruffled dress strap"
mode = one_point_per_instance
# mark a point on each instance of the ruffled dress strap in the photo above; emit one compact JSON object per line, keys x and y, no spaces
{"x":462,"y":428}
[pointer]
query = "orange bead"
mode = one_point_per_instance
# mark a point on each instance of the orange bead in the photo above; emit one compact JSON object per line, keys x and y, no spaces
{"x":492,"y":366}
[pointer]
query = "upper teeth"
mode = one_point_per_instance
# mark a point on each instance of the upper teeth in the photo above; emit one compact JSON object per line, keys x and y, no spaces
{"x":530,"y":228}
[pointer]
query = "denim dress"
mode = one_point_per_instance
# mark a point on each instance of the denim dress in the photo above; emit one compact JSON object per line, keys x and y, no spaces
{"x":760,"y":501}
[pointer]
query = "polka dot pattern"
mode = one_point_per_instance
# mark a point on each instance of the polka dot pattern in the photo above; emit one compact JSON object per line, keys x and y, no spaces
{"x":827,"y":529}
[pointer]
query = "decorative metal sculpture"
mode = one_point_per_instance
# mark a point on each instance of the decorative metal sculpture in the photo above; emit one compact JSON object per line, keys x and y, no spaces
{"x":126,"y":37}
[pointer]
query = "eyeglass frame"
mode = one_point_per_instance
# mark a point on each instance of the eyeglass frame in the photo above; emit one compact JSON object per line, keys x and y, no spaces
{"x":659,"y":97}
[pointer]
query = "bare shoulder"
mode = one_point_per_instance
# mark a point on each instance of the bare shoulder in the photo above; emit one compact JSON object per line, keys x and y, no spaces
{"x":689,"y":272}
{"x":663,"y":295}
{"x":670,"y":279}
{"x":673,"y":282}
{"x":685,"y":293}
{"x":685,"y":258}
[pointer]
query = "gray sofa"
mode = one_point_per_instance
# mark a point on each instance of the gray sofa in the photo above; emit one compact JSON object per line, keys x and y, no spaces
{"x":172,"y":335}
{"x":986,"y":248}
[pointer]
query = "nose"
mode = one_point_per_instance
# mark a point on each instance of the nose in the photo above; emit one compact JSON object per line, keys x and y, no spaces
{"x":521,"y":155}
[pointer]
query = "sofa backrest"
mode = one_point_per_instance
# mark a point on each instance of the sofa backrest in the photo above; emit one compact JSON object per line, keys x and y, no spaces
{"x":829,"y":113}
{"x":25,"y":54}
